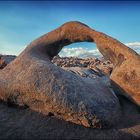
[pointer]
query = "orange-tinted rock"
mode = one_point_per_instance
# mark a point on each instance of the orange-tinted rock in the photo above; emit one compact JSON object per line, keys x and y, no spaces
{"x":32,"y":80}
{"x":125,"y":76}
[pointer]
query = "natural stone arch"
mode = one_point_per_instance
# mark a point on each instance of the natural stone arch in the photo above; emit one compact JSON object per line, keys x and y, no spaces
{"x":32,"y":80}
{"x":126,"y":73}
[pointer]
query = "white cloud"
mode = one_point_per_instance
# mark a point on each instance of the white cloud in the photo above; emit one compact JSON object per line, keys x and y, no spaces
{"x":134,"y":45}
{"x":10,"y":49}
{"x":79,"y":52}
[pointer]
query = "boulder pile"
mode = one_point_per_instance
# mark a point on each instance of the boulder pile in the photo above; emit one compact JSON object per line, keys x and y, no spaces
{"x":100,"y":66}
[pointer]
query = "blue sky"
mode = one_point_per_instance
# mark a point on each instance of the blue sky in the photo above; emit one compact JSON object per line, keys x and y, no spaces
{"x":22,"y":22}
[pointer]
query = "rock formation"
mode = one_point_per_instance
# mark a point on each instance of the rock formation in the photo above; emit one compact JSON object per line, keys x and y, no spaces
{"x":125,"y":76}
{"x":32,"y":80}
{"x":6,"y":59}
{"x":99,"y":66}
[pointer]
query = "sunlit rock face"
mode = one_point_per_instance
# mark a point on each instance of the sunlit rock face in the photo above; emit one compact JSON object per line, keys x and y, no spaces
{"x":33,"y":80}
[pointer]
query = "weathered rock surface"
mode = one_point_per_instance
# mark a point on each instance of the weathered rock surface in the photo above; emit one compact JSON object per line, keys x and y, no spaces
{"x":32,"y":80}
{"x":23,"y":123}
{"x":47,"y":88}
{"x":125,"y":77}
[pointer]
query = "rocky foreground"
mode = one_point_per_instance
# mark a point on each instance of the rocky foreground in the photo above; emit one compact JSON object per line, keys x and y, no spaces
{"x":24,"y":123}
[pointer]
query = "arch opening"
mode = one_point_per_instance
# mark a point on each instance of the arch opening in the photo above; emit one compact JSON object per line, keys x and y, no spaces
{"x":80,"y":50}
